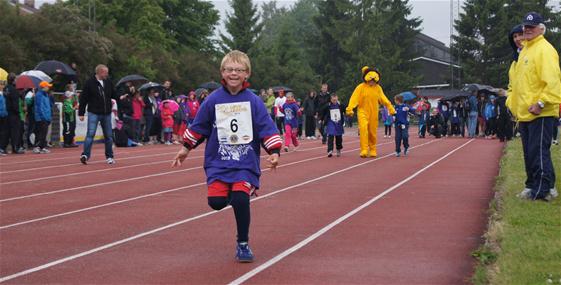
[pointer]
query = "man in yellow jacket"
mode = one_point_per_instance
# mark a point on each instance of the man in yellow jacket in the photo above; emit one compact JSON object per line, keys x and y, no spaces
{"x":367,"y":97}
{"x":534,"y":98}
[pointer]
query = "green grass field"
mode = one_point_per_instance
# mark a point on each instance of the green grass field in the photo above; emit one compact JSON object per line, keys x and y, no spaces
{"x":523,"y":241}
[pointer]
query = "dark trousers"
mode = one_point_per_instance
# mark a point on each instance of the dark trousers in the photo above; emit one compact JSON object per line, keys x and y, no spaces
{"x":536,"y":142}
{"x":148,"y":127}
{"x":490,"y":126}
{"x":41,"y":129}
{"x":310,"y":126}
{"x":338,"y":142}
{"x":280,"y":124}
{"x":401,"y":135}
{"x":422,"y":130}
{"x":30,"y":130}
{"x":4,"y":133}
{"x":135,"y":124}
{"x":14,"y":124}
{"x":321,"y":128}
{"x":69,"y":128}
{"x":388,"y":130}
{"x":504,"y":128}
{"x":240,"y":203}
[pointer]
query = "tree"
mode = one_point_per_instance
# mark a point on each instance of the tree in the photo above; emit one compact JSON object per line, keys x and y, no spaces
{"x":482,"y":40}
{"x":242,"y":26}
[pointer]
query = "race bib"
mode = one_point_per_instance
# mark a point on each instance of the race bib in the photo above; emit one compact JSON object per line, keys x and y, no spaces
{"x":335,"y":115}
{"x":233,"y":123}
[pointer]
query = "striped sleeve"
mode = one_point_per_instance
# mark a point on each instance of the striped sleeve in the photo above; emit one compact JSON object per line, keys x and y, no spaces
{"x":272,"y":143}
{"x":192,"y":138}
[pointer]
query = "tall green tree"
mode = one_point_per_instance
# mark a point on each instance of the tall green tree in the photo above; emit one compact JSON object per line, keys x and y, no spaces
{"x":242,"y":25}
{"x":482,"y":39}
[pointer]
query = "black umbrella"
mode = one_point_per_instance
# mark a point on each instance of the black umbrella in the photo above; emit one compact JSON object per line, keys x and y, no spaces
{"x":134,"y":78}
{"x":480,"y":88}
{"x":150,"y":85}
{"x":276,"y":89}
{"x":211,"y":85}
{"x":456,"y":96}
{"x":55,"y":67}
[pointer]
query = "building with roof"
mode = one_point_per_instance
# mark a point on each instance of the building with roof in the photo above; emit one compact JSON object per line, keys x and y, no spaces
{"x":27,"y":6}
{"x":435,"y":63}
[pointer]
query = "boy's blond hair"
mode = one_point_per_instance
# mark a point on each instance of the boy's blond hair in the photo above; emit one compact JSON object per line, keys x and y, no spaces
{"x":236,"y":56}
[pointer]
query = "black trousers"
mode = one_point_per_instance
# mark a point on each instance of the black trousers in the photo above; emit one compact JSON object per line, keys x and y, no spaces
{"x":310,"y":126}
{"x":41,"y":129}
{"x":14,"y":124}
{"x":338,"y":142}
{"x":4,"y":133}
{"x":504,"y":128}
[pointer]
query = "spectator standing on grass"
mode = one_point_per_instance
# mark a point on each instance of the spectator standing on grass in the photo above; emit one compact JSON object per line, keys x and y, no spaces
{"x":235,"y":123}
{"x":96,"y":97}
{"x":534,"y":100}
{"x":43,"y":117}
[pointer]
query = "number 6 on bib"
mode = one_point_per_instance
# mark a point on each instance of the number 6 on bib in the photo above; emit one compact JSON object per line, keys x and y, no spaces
{"x":233,"y":123}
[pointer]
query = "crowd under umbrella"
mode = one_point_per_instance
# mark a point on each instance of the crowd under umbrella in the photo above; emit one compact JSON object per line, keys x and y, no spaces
{"x":38,"y":74}
{"x":3,"y":74}
{"x":211,"y":85}
{"x":135,"y":79}
{"x":55,"y":67}
{"x":150,"y":85}
{"x":408,"y":96}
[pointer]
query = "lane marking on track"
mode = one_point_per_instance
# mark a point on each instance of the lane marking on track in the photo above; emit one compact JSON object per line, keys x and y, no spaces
{"x":338,"y":221}
{"x":141,"y":235}
{"x":145,"y":196}
{"x":128,"y":166}
{"x":103,"y":183}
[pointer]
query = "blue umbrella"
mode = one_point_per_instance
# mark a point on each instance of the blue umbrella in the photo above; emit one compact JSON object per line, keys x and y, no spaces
{"x":408,"y":95}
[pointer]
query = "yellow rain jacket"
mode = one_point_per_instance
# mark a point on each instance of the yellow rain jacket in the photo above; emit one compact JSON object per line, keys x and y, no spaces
{"x":535,"y":77}
{"x":367,"y":99}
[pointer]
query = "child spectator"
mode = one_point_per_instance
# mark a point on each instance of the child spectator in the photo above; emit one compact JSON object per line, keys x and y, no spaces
{"x":4,"y":128}
{"x":444,"y":111}
{"x":334,"y":125}
{"x":179,"y":119}
{"x":137,"y":111}
{"x":291,"y":111}
{"x":69,"y":107}
{"x":388,"y":121}
{"x":300,"y":118}
{"x":490,"y":117}
{"x":424,"y":117}
{"x":455,"y":120}
{"x":279,"y":115}
{"x":236,"y":124}
{"x":436,"y":121}
{"x":167,"y":122}
{"x":42,"y":117}
{"x":192,"y":107}
{"x":401,"y":125}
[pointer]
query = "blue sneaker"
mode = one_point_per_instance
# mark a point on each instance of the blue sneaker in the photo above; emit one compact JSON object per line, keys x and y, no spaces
{"x":243,"y":252}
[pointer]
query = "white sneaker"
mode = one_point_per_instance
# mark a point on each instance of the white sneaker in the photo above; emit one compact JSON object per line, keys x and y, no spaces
{"x":110,"y":160}
{"x":139,"y":144}
{"x":553,"y":193}
{"x":44,"y":151}
{"x":385,"y":136}
{"x":525,"y":194}
{"x":555,"y":142}
{"x":37,"y":150}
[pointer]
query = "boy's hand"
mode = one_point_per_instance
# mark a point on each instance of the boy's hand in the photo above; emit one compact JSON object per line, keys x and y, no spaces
{"x":180,"y":157}
{"x":273,"y":160}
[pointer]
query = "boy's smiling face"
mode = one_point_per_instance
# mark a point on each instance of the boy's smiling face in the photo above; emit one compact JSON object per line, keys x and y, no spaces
{"x":234,"y":74}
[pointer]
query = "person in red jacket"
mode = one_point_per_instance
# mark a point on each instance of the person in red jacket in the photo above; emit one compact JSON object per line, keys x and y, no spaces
{"x":137,"y":109}
{"x":167,"y":122}
{"x":193,"y":106}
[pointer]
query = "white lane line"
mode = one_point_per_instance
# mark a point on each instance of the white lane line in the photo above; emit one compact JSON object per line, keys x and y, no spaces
{"x":141,"y":197}
{"x":115,"y":168}
{"x":122,"y":241}
{"x":110,"y":182}
{"x":338,"y":221}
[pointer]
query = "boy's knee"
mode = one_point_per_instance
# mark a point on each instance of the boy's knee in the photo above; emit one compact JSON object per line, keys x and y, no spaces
{"x":218,"y":203}
{"x":239,"y":198}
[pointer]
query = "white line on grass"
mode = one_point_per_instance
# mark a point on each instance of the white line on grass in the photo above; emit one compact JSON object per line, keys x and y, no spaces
{"x":122,"y":241}
{"x":338,"y":221}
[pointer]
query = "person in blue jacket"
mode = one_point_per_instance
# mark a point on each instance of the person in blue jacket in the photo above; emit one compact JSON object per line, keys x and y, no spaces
{"x":333,"y":116}
{"x":402,"y":125}
{"x":424,"y":117}
{"x":43,"y":116}
{"x":490,"y":113}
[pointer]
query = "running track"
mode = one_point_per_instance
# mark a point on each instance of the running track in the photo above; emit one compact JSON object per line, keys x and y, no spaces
{"x":318,"y":220}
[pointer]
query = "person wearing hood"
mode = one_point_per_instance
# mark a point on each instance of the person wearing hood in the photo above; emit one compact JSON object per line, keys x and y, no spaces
{"x":534,"y":96}
{"x":366,"y":98}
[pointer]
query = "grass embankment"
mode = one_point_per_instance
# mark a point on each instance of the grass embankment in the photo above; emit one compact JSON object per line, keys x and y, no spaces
{"x":523,"y":240}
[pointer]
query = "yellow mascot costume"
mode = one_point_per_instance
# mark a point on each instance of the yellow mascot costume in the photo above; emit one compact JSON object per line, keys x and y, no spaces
{"x":367,"y":98}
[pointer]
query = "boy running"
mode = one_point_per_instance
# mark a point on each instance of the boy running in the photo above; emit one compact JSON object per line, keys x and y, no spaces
{"x":236,"y":124}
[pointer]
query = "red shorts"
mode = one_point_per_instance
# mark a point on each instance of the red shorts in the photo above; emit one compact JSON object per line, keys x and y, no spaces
{"x":221,"y":189}
{"x":179,"y":129}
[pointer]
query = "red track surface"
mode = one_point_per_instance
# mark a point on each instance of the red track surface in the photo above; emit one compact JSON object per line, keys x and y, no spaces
{"x":87,"y":225}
